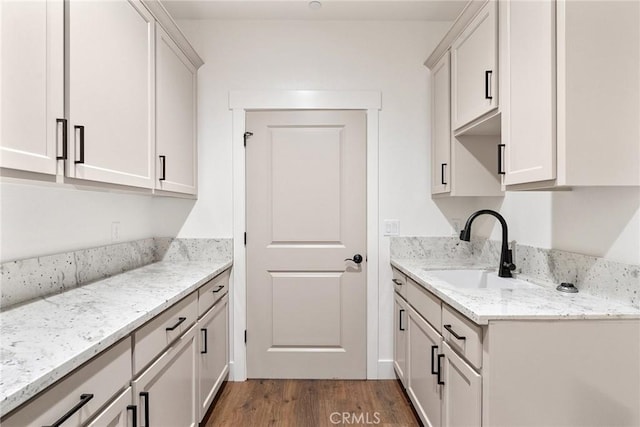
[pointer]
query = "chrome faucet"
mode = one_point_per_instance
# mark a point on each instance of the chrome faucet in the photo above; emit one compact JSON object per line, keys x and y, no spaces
{"x":506,"y":257}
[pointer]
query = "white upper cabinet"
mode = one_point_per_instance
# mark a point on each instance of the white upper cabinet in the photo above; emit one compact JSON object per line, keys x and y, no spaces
{"x":32,"y":78}
{"x":110,"y":75}
{"x":175,"y":117}
{"x":474,"y":63}
{"x":441,"y":126}
{"x":570,"y":93}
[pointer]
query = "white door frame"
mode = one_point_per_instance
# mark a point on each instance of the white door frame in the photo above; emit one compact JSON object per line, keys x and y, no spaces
{"x":239,"y":103}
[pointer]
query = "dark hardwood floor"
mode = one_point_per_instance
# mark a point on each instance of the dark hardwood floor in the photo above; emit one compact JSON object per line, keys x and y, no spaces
{"x":311,"y":403}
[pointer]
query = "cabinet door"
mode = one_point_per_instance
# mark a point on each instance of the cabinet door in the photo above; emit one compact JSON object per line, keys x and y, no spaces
{"x":110,"y":77}
{"x":474,"y":68}
{"x":400,"y":333}
{"x":175,"y":117}
{"x":529,"y":98}
{"x":32,"y":78}
{"x":120,"y":413}
{"x":165,"y":393}
{"x":214,"y":353}
{"x":462,"y":392}
{"x":441,"y":127}
{"x":425,"y":393}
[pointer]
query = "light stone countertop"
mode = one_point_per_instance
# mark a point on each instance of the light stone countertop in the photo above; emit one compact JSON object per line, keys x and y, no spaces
{"x":533,"y":302}
{"x":43,"y":340}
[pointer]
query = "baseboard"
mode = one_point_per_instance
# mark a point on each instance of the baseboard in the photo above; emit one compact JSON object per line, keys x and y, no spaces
{"x":385,"y":370}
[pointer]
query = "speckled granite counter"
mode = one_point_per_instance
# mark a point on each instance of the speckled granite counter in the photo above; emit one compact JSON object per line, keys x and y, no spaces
{"x":534,"y":302}
{"x":43,"y":340}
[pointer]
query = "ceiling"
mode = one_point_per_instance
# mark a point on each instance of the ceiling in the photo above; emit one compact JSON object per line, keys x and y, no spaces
{"x":331,"y":10}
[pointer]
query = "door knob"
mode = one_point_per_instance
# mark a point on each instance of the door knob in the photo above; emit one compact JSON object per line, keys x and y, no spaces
{"x":357,"y":258}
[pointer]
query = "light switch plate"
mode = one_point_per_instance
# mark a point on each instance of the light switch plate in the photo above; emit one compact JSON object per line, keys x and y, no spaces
{"x":391,"y":227}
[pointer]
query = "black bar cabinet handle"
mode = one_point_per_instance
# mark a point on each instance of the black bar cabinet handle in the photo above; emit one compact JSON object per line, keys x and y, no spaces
{"x":442,"y":166}
{"x":84,"y":399}
{"x":178,"y":323}
{"x":64,"y":138}
{"x":434,"y":349}
{"x":145,"y":395}
{"x":220,"y":287}
{"x":163,"y":163}
{"x":134,"y":414}
{"x":487,"y":81}
{"x":440,"y":357}
{"x":452,"y":332}
{"x":205,"y":341}
{"x":500,"y":156}
{"x":81,"y":129}
{"x":397,"y":282}
{"x":400,"y":319}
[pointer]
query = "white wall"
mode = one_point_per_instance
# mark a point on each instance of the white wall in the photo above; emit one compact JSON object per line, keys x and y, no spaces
{"x":287,"y":55}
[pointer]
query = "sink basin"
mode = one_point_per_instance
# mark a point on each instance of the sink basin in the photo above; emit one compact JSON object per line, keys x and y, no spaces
{"x":478,"y":279}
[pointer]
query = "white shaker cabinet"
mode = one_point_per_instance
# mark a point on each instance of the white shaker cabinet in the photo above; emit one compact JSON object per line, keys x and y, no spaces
{"x":110,"y":92}
{"x":166,"y":393}
{"x":462,"y":390}
{"x":32,"y":79}
{"x":474,"y":63}
{"x":175,"y":117}
{"x":570,"y":92}
{"x":400,"y":333}
{"x":120,"y":413}
{"x":441,"y":126}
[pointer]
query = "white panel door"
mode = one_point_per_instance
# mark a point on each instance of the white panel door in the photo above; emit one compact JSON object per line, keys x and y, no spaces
{"x":474,"y":62}
{"x":400,"y":338}
{"x":529,"y":100}
{"x":424,"y":364}
{"x":120,"y":413}
{"x":462,"y":401}
{"x":441,"y":127}
{"x":214,"y":353}
{"x":110,"y":74}
{"x":175,"y":117}
{"x":31,"y":85}
{"x":166,"y":393}
{"x":306,"y":214}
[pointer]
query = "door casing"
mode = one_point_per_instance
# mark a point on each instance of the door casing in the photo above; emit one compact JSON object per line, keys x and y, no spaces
{"x":239,"y":103}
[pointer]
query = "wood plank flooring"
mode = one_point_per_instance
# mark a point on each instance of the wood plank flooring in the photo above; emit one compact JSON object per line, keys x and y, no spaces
{"x":311,"y":403}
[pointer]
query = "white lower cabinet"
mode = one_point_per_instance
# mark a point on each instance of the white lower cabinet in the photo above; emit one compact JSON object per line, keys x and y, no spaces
{"x":120,"y":413}
{"x":400,"y":328}
{"x":424,"y":361}
{"x":462,"y":391}
{"x":213,"y":357}
{"x":165,"y":393}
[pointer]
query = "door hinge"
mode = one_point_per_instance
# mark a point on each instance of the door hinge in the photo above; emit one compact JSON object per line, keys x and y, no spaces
{"x":246,"y":136}
{"x":245,"y":336}
{"x":245,"y":238}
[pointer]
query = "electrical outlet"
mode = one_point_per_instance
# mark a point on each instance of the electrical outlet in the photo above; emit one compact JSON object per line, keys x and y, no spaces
{"x":115,"y":231}
{"x":456,"y":224}
{"x":391,"y":227}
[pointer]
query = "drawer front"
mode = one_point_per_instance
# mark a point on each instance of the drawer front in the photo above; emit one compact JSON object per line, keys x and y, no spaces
{"x":399,"y":282}
{"x":469,"y":341}
{"x":101,"y":378}
{"x":425,"y":303}
{"x":212,"y":291}
{"x":165,"y":328}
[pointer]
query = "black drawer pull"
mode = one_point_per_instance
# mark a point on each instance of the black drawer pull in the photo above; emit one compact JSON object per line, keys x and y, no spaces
{"x":145,"y":395}
{"x":205,"y":341}
{"x":178,"y":323}
{"x":81,"y":131}
{"x":64,"y":138}
{"x":440,"y":357}
{"x":442,"y":166}
{"x":400,"y":319}
{"x":500,"y":157}
{"x":134,"y":414}
{"x":487,"y":84}
{"x":397,"y":282}
{"x":220,"y":287}
{"x":84,"y":399}
{"x":163,"y":166}
{"x":434,"y":349}
{"x":452,"y":332}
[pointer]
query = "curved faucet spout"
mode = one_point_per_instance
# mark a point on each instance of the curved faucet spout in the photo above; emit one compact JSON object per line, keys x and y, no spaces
{"x":506,"y":262}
